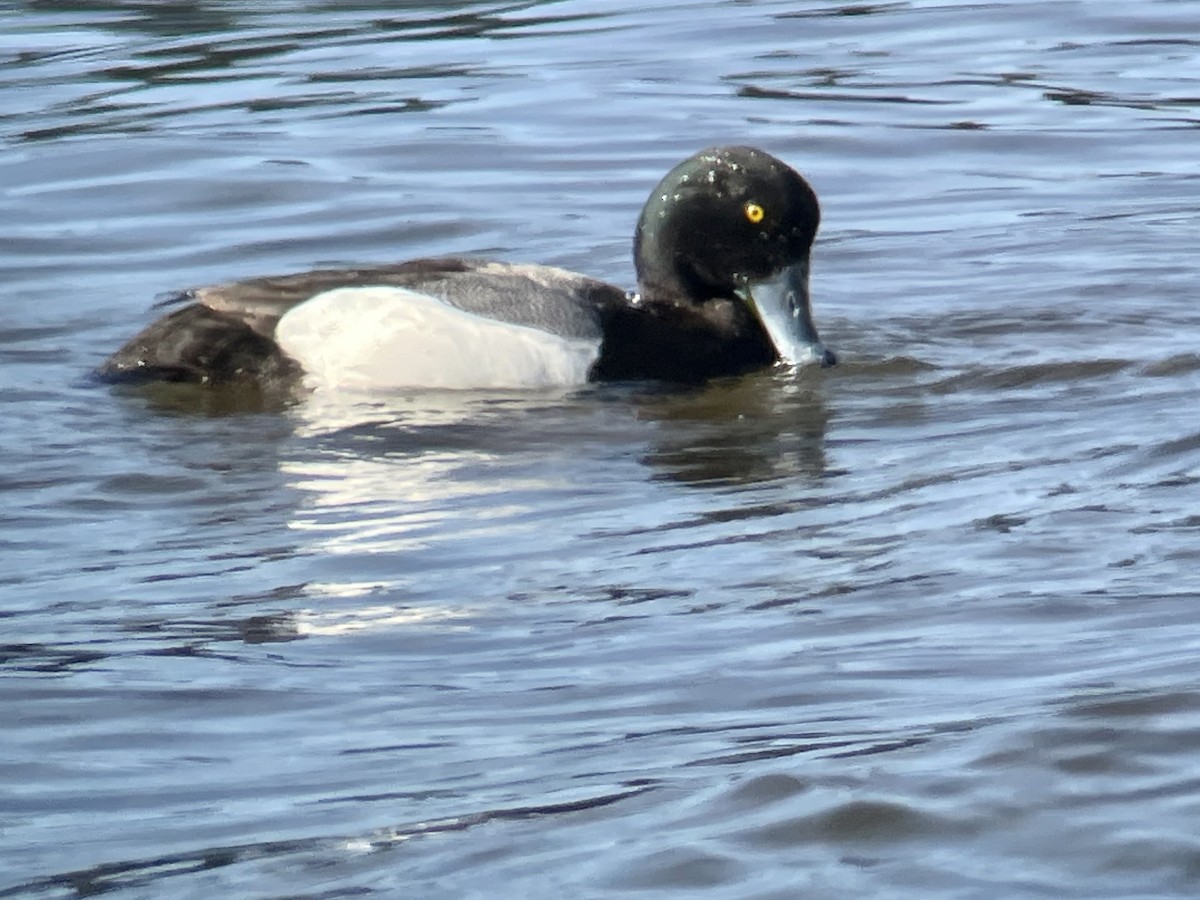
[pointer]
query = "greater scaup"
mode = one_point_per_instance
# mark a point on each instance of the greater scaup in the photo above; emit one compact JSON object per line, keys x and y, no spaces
{"x":722,"y":255}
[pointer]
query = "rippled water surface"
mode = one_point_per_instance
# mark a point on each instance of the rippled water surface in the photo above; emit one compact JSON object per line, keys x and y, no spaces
{"x":920,"y":625}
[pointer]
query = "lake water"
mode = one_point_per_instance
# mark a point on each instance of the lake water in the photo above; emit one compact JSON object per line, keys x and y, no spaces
{"x":924,"y":624}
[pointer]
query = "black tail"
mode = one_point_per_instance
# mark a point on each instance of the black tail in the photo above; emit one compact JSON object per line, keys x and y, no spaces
{"x":199,"y":345}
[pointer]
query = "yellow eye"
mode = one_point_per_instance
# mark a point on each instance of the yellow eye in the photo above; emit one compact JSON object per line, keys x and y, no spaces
{"x":754,"y":212}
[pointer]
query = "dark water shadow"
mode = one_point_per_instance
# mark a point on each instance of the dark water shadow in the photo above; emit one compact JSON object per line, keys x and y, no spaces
{"x":741,"y":431}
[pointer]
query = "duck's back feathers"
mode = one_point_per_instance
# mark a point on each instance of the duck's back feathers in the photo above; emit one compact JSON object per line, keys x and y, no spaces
{"x":227,"y":332}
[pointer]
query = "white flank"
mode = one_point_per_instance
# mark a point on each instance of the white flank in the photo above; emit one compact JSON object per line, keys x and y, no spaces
{"x":387,"y":337}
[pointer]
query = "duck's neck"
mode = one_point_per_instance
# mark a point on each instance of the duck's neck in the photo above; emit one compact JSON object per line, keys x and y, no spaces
{"x":662,"y":275}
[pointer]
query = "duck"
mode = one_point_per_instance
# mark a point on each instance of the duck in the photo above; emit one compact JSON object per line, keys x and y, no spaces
{"x":722,"y":253}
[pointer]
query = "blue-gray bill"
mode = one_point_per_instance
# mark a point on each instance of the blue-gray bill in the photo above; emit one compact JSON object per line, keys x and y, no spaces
{"x":782,"y":305}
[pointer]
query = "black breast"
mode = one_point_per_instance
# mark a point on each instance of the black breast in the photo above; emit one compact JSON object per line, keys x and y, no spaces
{"x":683,"y":342}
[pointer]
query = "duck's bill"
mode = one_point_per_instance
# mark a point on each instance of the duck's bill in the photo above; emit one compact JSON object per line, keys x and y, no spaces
{"x":782,"y":305}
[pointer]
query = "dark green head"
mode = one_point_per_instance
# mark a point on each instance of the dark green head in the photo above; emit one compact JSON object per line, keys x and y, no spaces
{"x":735,"y":223}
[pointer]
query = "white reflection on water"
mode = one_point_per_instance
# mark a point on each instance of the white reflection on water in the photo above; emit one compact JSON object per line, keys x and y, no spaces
{"x":312,"y":623}
{"x":383,"y":505}
{"x":405,"y":495}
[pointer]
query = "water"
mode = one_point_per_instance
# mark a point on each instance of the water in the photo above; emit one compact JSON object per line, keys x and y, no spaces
{"x":923,"y":624}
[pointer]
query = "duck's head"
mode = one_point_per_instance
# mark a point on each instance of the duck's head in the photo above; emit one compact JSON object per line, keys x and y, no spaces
{"x":735,"y":223}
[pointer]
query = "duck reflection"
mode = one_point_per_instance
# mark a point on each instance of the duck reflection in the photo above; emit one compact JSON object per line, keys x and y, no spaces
{"x":425,"y":510}
{"x":742,"y":431}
